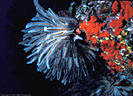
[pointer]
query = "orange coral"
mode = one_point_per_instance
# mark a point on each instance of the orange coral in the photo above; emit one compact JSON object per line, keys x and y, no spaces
{"x":127,"y":9}
{"x":111,"y":50}
{"x":91,"y":28}
{"x":115,"y":7}
{"x":117,"y":24}
{"x":104,"y":34}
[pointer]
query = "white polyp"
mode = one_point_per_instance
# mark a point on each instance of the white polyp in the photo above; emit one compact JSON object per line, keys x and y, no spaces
{"x":45,"y":29}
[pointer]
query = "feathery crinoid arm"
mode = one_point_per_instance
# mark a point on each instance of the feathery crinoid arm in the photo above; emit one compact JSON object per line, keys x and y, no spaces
{"x":50,"y":40}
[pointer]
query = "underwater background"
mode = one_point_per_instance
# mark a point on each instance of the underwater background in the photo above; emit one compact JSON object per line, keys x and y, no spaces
{"x":17,"y":77}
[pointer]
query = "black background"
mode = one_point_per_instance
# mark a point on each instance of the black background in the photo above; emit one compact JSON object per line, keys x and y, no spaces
{"x":15,"y":76}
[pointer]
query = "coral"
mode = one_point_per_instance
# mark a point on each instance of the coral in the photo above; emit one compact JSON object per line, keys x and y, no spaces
{"x":113,"y":46}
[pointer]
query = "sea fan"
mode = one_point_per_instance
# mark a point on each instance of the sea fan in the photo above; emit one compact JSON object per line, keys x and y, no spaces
{"x":53,"y":42}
